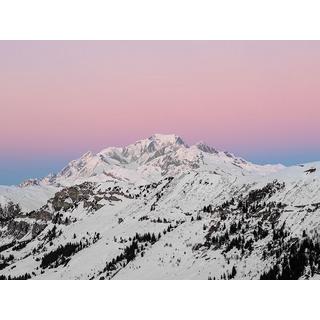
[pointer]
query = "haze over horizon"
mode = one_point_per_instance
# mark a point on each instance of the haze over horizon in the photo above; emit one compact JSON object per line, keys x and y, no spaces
{"x":256,"y":99}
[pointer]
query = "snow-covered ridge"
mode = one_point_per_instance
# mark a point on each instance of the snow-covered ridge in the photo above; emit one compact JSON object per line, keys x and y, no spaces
{"x":160,"y":209}
{"x":150,"y":159}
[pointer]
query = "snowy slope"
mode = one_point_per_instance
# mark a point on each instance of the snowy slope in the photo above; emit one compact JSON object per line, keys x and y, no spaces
{"x":29,"y":198}
{"x":160,"y":209}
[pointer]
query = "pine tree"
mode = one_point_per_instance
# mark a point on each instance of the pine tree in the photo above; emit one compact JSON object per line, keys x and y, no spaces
{"x":233,"y":272}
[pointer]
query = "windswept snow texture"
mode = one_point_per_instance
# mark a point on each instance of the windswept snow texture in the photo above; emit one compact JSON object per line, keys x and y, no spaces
{"x":160,"y":209}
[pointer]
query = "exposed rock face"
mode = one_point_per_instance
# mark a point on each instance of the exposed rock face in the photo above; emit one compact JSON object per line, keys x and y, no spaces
{"x":68,"y":198}
{"x":29,"y":182}
{"x":37,"y":229}
{"x":205,"y":148}
{"x":8,"y":212}
{"x":40,"y":215}
{"x":18,"y":229}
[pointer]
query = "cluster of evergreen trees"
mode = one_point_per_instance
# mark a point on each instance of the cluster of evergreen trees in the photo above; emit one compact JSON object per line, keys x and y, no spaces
{"x":293,"y":263}
{"x":240,"y":212}
{"x":198,"y":218}
{"x":236,"y":242}
{"x":7,"y":246}
{"x":230,"y":243}
{"x":207,"y":209}
{"x":159,"y":220}
{"x":226,"y":238}
{"x":53,"y":233}
{"x":60,"y":255}
{"x":25,"y":276}
{"x":59,"y":219}
{"x":146,"y":237}
{"x":63,"y":252}
{"x":255,"y":201}
{"x":160,"y":193}
{"x":143,"y":218}
{"x":137,"y":246}
{"x":229,"y":276}
{"x":20,"y":245}
{"x":5,"y":261}
{"x":260,"y":232}
{"x":279,"y":234}
{"x":234,"y":236}
{"x":131,"y":251}
{"x":267,"y":191}
{"x":295,"y":258}
{"x":235,"y":227}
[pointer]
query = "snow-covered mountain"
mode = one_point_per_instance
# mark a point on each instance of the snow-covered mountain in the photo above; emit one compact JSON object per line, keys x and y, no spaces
{"x":160,"y":209}
{"x":149,"y":160}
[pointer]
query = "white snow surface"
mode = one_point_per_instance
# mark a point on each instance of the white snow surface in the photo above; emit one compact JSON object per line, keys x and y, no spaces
{"x":150,"y":159}
{"x":145,"y":188}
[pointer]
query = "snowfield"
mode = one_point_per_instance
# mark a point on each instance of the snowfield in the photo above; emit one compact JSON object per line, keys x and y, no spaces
{"x":160,"y":209}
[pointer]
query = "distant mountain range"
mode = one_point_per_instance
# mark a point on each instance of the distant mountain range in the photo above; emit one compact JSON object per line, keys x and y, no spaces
{"x":160,"y":209}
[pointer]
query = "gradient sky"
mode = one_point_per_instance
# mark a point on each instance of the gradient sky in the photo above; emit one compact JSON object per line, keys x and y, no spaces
{"x":58,"y":99}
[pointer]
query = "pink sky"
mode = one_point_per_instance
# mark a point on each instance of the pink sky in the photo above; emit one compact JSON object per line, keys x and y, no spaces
{"x":61,"y":98}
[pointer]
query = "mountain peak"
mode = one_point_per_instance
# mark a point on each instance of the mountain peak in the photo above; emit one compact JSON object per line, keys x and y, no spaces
{"x":147,"y":160}
{"x":206,"y":148}
{"x":88,"y":155}
{"x":167,"y":139}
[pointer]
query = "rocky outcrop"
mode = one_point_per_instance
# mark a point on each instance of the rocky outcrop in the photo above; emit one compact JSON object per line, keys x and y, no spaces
{"x":69,"y":198}
{"x":18,"y":229}
{"x":37,"y":229}
{"x":40,"y":215}
{"x":8,"y":212}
